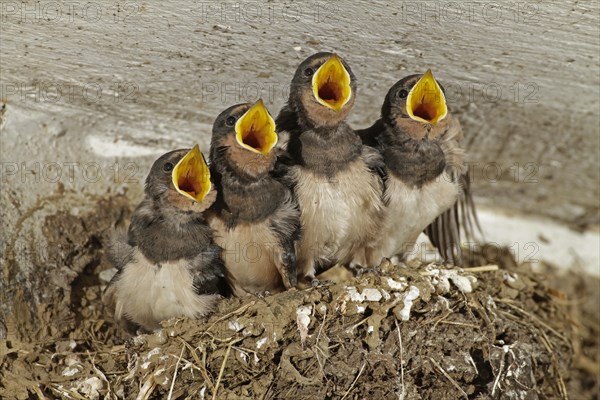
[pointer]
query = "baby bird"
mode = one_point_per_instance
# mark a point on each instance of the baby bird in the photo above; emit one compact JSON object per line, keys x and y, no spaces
{"x":335,"y":177}
{"x":168,"y":265}
{"x":255,"y":218}
{"x":419,"y":141}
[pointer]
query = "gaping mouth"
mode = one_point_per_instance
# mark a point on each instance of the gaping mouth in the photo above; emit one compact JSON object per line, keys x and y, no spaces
{"x":191,"y":176}
{"x":331,"y":84}
{"x":255,"y":130}
{"x":426,"y":101}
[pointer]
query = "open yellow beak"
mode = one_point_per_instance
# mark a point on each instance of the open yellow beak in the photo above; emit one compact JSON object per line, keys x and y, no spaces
{"x":191,"y":176}
{"x":331,"y":84}
{"x":426,"y":101}
{"x":255,"y":130}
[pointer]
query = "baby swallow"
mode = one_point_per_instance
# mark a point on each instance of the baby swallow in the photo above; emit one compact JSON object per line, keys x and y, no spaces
{"x":168,"y":265}
{"x":419,"y":141}
{"x":255,"y":218}
{"x":335,"y":177}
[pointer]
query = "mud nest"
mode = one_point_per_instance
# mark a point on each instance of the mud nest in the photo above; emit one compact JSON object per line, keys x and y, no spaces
{"x":411,"y":331}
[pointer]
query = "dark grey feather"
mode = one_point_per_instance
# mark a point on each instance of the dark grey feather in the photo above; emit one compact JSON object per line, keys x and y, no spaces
{"x":120,"y":253}
{"x":445,"y":231}
{"x":208,"y":271}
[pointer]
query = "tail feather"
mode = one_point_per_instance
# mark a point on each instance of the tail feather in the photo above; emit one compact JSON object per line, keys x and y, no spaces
{"x":445,"y":231}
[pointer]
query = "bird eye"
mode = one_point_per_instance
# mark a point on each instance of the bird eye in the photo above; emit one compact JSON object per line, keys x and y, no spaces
{"x":402,"y":94}
{"x":230,"y":121}
{"x":308,"y":72}
{"x":168,"y":167}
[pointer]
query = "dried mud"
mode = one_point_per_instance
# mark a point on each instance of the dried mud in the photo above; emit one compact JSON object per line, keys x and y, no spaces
{"x":410,"y":331}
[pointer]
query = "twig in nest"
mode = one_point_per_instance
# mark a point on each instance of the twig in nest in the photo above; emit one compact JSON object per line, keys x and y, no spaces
{"x":39,"y":393}
{"x":441,"y":319}
{"x":234,"y":312}
{"x":459,"y":324}
{"x":114,"y":349}
{"x":66,"y":392}
{"x":222,"y":370}
{"x":483,"y":268}
{"x":561,"y":383}
{"x":100,"y":374}
{"x":321,"y":366}
{"x":497,"y":380}
{"x":199,"y":364}
{"x":318,"y":349}
{"x":146,"y":389}
{"x":534,"y":319}
{"x":403,"y":393}
{"x":285,"y":364}
{"x":354,"y":381}
{"x":473,"y":364}
{"x":268,"y":389}
{"x":359,"y":323}
{"x":175,"y":374}
{"x":436,"y":320}
{"x":452,"y":381}
{"x":321,"y":327}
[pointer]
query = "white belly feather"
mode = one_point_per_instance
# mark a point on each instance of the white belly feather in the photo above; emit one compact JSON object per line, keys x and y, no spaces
{"x":410,"y":211}
{"x":339,"y":216}
{"x":148,"y":294}
{"x":251,"y":253}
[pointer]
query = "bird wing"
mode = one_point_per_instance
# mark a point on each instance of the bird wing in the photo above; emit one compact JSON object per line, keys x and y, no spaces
{"x":369,"y":136}
{"x":120,"y":253}
{"x":286,"y":120}
{"x":286,"y":226}
{"x":445,"y":231}
{"x":286,"y":123}
{"x":208,"y":272}
{"x":374,"y":161}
